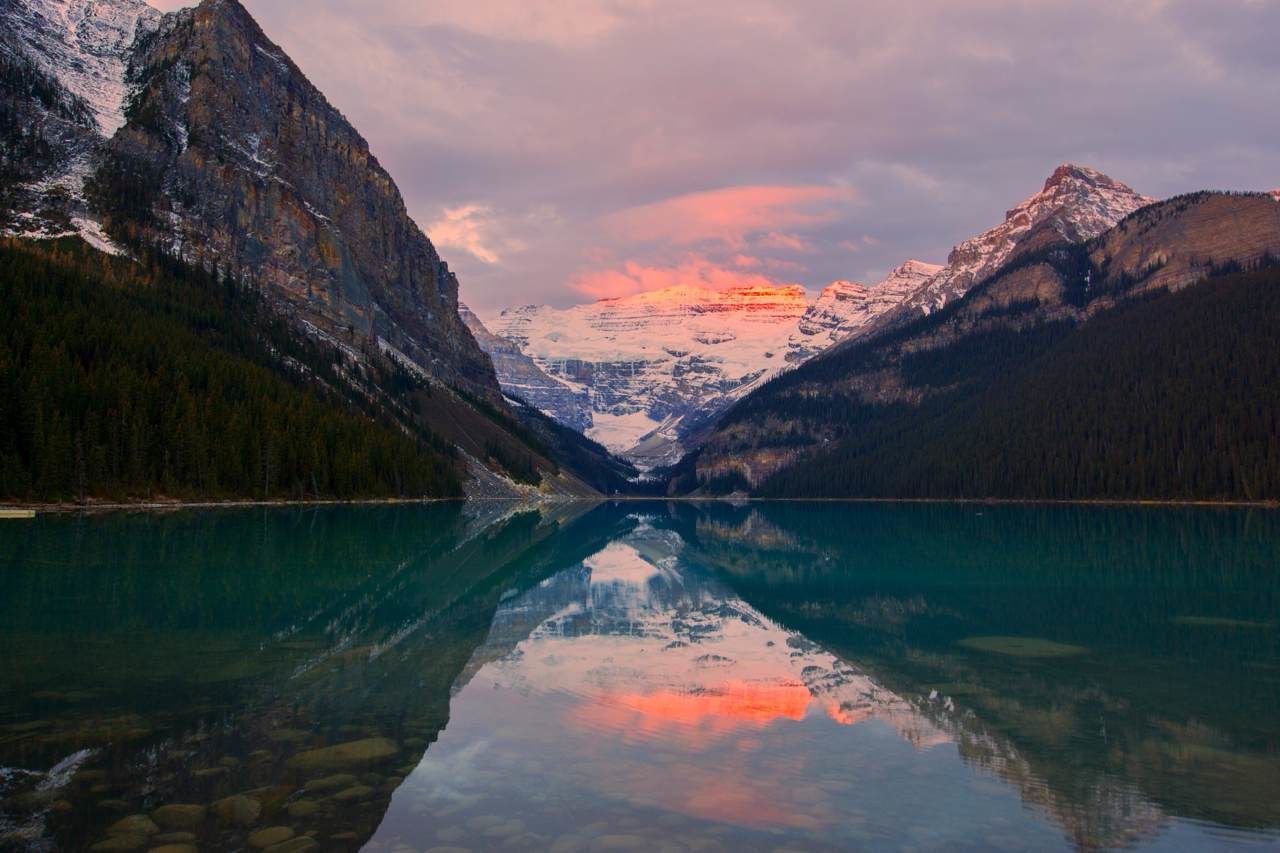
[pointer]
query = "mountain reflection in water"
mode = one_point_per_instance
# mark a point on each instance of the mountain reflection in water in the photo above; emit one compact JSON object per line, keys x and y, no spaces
{"x":642,"y":675}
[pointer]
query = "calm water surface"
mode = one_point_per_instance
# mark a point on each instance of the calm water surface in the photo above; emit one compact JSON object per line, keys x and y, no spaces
{"x":642,"y":676}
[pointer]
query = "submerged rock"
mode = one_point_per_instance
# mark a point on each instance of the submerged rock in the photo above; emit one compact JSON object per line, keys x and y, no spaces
{"x":355,"y":792}
{"x":330,"y":783}
{"x":302,"y":844}
{"x":179,"y":816}
{"x":237,"y":809}
{"x":303,"y":808}
{"x":354,"y":753}
{"x":138,"y":824}
{"x":175,"y":838}
{"x":127,"y":841}
{"x":269,"y":837}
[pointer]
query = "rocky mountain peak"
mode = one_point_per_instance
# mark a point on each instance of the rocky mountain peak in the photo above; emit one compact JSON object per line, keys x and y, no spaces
{"x":1077,"y":203}
{"x":914,"y":267}
{"x":1069,"y":172}
{"x":1084,"y":201}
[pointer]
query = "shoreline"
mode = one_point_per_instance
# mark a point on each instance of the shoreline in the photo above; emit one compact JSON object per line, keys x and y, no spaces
{"x":19,"y":510}
{"x":162,"y":506}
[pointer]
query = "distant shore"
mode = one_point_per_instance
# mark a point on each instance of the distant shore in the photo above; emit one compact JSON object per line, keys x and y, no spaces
{"x":18,"y":510}
{"x":161,"y":505}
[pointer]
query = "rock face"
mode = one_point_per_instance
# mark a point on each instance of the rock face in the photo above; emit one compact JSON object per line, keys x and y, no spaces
{"x":228,"y":157}
{"x":655,"y":364}
{"x":1179,"y":242}
{"x":522,"y":378}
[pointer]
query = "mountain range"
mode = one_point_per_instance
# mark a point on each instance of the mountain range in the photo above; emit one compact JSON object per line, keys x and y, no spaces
{"x":647,"y":374}
{"x":227,"y":204}
{"x":1142,"y":362}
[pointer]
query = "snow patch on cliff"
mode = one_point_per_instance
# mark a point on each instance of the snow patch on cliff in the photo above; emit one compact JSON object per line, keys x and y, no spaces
{"x":84,"y":44}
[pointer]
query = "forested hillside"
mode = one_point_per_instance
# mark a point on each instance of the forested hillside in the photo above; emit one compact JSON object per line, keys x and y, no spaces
{"x":123,"y":380}
{"x":1168,"y":396}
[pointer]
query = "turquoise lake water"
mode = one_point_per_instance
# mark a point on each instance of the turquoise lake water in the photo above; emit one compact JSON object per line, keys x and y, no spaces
{"x":642,"y":676}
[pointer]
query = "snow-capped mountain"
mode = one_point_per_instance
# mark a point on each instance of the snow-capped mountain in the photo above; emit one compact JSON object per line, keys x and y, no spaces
{"x":844,"y":307}
{"x":1076,"y":204}
{"x":657,"y":367}
{"x":652,"y":363}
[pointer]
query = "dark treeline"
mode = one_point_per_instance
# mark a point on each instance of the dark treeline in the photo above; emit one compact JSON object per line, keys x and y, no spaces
{"x":124,"y":380}
{"x":1173,"y":396}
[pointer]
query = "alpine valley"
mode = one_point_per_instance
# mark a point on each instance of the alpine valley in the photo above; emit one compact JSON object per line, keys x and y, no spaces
{"x":1091,"y":345}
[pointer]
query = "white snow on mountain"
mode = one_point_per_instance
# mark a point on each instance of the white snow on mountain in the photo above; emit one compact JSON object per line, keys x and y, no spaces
{"x":650,"y":361}
{"x":84,"y":44}
{"x":520,"y":376}
{"x":844,"y":307}
{"x":659,"y":366}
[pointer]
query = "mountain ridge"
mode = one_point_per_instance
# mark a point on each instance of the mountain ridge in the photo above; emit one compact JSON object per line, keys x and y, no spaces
{"x":929,"y":375}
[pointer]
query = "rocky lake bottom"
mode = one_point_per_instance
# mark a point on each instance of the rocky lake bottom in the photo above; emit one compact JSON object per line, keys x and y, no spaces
{"x":641,"y":677}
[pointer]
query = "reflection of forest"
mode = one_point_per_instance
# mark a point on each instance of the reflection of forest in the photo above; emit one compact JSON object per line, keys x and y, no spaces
{"x":276,"y":687}
{"x":1167,"y":710}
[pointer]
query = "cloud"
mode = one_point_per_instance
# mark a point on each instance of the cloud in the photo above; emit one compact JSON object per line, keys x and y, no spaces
{"x":732,"y":216}
{"x":693,"y":271}
{"x":465,"y":228}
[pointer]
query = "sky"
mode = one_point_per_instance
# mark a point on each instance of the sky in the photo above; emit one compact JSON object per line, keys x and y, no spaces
{"x":558,"y":152}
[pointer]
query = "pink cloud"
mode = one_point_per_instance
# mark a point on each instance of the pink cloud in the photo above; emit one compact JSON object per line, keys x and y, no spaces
{"x":734,"y":216}
{"x":693,"y":271}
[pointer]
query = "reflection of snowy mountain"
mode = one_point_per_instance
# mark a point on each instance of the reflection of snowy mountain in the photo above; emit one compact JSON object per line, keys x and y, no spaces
{"x":649,"y":646}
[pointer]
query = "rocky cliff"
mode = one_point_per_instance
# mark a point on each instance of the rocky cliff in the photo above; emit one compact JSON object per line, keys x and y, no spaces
{"x":523,"y":379}
{"x":230,"y":158}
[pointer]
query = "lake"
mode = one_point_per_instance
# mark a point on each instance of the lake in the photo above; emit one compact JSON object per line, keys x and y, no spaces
{"x":642,"y":676}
